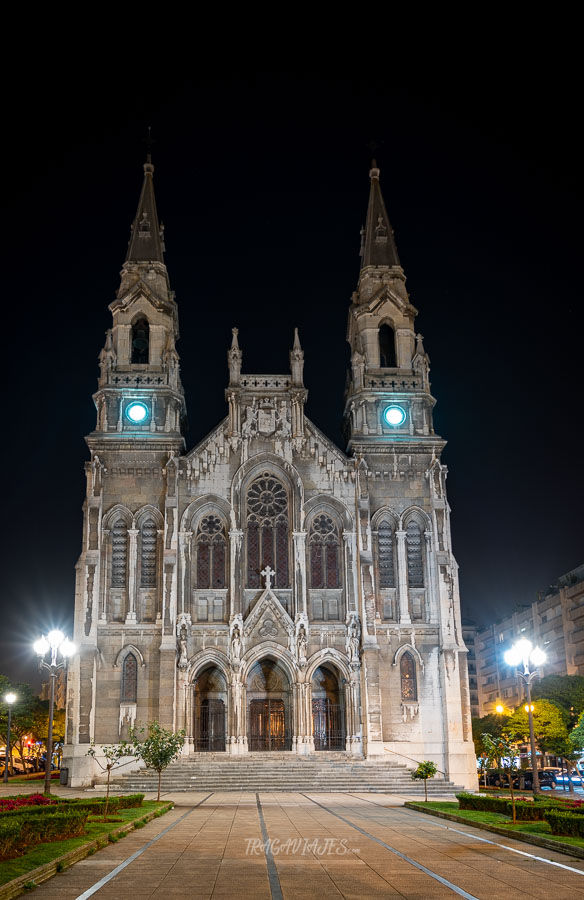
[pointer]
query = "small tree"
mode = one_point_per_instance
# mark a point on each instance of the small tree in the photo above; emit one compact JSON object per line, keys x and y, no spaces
{"x":424,"y":771}
{"x":158,"y":749}
{"x":112,"y":754}
{"x":499,"y":749}
{"x":576,"y":736}
{"x":549,"y":726}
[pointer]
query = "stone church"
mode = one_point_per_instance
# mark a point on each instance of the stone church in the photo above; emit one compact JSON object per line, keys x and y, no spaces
{"x":266,"y":590}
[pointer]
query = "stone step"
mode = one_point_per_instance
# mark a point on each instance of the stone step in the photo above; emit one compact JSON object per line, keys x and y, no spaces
{"x":282,"y":772}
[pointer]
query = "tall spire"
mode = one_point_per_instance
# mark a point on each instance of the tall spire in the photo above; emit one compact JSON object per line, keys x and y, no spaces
{"x":147,"y":237}
{"x":378,"y":246}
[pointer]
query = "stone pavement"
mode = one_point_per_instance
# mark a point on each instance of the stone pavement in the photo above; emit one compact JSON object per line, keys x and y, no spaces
{"x":321,"y":845}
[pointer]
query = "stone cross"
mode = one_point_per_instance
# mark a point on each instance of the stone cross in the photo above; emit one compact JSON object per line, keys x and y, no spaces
{"x":268,"y":575}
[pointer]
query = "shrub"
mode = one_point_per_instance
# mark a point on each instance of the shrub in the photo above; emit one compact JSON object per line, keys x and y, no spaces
{"x":130,"y":801}
{"x":7,"y":804}
{"x":568,"y":823}
{"x":535,"y":812}
{"x":19,"y":833}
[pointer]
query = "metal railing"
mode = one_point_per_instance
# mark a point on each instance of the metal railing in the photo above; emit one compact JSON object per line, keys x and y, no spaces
{"x":416,"y":761}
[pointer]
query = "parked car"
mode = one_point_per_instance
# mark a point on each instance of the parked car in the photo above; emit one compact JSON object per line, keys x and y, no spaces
{"x":500,"y":778}
{"x":560,"y":776}
{"x":20,"y":768}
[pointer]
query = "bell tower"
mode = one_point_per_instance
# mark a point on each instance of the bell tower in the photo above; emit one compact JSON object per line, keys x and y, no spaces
{"x":388,"y":398}
{"x":140,"y":396}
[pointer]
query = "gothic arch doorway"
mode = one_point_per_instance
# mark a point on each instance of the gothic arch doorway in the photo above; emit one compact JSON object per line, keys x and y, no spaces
{"x":210,"y":709}
{"x":269,"y":707}
{"x":328,"y":709}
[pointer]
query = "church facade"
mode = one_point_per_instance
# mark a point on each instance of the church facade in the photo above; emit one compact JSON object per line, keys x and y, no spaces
{"x":265,"y":590}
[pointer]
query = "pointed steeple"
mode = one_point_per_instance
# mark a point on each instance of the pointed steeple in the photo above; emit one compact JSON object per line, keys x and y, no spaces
{"x":147,"y":237}
{"x":297,"y":360}
{"x":377,"y":243}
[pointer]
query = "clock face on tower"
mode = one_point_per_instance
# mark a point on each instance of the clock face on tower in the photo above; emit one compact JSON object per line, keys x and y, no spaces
{"x":137,"y":412}
{"x":394,"y":415}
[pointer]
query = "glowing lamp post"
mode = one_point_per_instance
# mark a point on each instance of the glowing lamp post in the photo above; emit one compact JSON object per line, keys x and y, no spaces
{"x":56,"y":643}
{"x":9,"y":699}
{"x":519,"y":656}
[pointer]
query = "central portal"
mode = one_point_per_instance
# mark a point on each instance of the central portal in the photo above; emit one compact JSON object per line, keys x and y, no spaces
{"x":269,"y":709}
{"x":267,"y":725}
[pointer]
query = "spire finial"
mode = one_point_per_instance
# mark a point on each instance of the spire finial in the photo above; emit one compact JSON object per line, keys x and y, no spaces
{"x":296,"y":340}
{"x":149,"y":141}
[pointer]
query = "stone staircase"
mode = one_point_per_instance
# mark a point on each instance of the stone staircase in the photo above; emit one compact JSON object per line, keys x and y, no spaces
{"x":282,"y":772}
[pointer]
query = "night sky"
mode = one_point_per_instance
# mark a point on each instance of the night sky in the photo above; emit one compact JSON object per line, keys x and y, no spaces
{"x":262,"y":184}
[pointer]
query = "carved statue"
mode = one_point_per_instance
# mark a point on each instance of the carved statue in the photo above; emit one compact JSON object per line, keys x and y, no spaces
{"x":353,"y":639}
{"x":235,"y":644}
{"x":301,"y":642}
{"x":284,"y":426}
{"x":183,"y":659}
{"x":250,"y":427}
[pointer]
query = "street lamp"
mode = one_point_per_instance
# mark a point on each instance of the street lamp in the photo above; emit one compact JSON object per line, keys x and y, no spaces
{"x":56,"y":643}
{"x":519,"y":656}
{"x":9,"y":699}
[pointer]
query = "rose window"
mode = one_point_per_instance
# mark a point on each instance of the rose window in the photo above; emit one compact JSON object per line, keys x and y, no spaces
{"x":266,"y":497}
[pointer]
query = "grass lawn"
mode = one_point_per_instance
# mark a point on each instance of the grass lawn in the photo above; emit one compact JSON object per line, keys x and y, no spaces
{"x":44,"y":853}
{"x":491,"y":818}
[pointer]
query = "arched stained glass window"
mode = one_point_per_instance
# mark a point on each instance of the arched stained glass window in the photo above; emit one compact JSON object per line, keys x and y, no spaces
{"x":119,"y":554}
{"x":211,"y":556}
{"x":324,"y":552}
{"x":129,"y":691}
{"x":385,"y":555}
{"x":407,"y":669}
{"x":149,"y":537}
{"x":414,"y":554}
{"x":267,"y":531}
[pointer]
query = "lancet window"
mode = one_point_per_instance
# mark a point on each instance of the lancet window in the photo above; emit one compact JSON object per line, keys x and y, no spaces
{"x":129,"y":691}
{"x":119,"y":554}
{"x":385,"y":555}
{"x":211,"y":554}
{"x":267,"y":530}
{"x":141,"y":341}
{"x":407,"y":668}
{"x":324,"y":550}
{"x":414,"y":554}
{"x":387,"y":358}
{"x":149,"y":536}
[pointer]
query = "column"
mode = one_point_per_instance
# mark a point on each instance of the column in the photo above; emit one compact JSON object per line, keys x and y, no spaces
{"x":131,"y":615}
{"x":350,"y":569}
{"x":431,"y":613}
{"x":300,"y":571}
{"x":184,"y":543}
{"x":402,"y":583}
{"x":235,"y":571}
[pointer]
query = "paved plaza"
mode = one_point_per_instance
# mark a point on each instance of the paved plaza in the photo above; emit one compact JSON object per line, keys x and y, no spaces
{"x":299,"y":846}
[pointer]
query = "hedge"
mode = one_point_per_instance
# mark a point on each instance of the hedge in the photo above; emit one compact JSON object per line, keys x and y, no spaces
{"x":129,"y":801}
{"x":18,"y":833}
{"x":485,"y":804}
{"x":568,"y":823}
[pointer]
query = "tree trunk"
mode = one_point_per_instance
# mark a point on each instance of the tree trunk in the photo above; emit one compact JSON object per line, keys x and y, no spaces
{"x":159,"y":780}
{"x":512,"y":796}
{"x":107,"y":794}
{"x":426,"y":790}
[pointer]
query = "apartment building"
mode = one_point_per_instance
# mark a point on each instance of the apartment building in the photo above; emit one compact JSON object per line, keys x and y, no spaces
{"x":555,"y":622}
